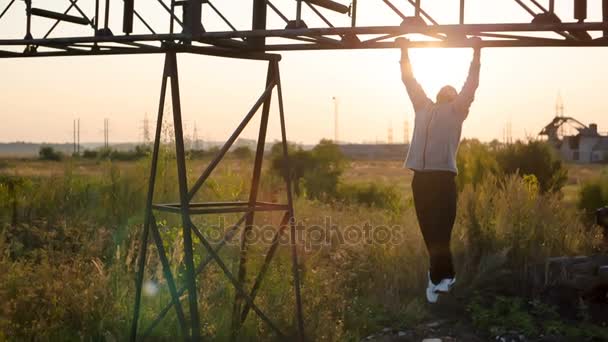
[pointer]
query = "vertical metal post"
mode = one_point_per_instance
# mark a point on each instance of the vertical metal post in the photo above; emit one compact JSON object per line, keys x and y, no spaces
{"x":169,"y":277}
{"x":127,"y":22}
{"x":580,"y":10}
{"x":28,"y":25}
{"x":605,"y":15}
{"x":353,"y":14}
{"x":96,"y":16}
{"x":192,"y":17}
{"x":298,"y":13}
{"x":74,"y":136}
{"x":141,"y":264}
{"x":417,"y":5}
{"x":253,"y":196}
{"x":292,"y":226}
{"x":551,"y":6}
{"x":172,"y":16}
{"x":107,"y":16}
{"x":183,"y":195}
{"x":461,"y":12}
{"x":258,"y":22}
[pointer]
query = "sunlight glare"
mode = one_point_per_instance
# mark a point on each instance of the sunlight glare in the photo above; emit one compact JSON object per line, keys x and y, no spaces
{"x":150,"y":288}
{"x":435,"y":68}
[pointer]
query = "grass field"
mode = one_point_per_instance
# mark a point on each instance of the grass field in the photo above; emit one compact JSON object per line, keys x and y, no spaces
{"x":67,"y":267}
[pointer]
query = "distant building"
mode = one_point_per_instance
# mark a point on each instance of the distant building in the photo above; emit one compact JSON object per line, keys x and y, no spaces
{"x":586,"y":145}
{"x":374,"y":151}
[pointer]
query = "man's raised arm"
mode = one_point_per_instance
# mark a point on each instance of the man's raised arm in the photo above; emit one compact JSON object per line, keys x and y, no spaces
{"x":467,"y":94}
{"x":414,"y":90}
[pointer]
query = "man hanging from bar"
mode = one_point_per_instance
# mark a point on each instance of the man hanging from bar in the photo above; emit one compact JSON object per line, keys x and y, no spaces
{"x":432,"y":157}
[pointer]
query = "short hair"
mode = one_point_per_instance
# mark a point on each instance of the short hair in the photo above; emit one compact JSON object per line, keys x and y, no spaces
{"x":446,"y":94}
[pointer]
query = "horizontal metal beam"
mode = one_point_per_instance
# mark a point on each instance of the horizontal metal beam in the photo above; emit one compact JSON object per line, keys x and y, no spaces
{"x":470,"y":29}
{"x":216,"y":43}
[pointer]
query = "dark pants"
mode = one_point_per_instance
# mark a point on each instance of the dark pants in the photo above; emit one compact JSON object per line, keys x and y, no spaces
{"x":435,"y":201}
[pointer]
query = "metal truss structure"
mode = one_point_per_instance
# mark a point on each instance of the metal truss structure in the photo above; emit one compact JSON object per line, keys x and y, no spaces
{"x":182,"y":27}
{"x":244,"y":300}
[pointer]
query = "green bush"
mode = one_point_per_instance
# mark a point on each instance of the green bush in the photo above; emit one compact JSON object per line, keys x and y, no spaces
{"x":90,"y":154}
{"x":242,"y":152}
{"x":201,"y":154}
{"x":140,"y":152}
{"x":476,"y":160}
{"x":593,"y":194}
{"x":316,"y":171}
{"x":536,"y":158}
{"x":370,"y":194}
{"x":49,"y":153}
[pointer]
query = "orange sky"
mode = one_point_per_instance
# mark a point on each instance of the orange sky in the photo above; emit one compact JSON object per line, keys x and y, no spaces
{"x":40,"y":97}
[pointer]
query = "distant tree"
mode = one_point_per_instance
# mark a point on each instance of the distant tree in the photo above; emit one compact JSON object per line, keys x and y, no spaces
{"x":90,"y":154}
{"x":49,"y":153}
{"x":475,"y":161}
{"x":536,"y":158}
{"x":242,"y":152}
{"x":317,"y":171}
{"x":328,"y":164}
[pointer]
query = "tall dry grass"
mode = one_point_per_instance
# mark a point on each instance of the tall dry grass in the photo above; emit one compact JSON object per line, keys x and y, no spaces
{"x":67,"y":269}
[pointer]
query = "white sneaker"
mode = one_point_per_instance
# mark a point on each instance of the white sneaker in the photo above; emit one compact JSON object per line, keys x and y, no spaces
{"x":431,"y":295}
{"x":433,"y":291}
{"x":445,"y":285}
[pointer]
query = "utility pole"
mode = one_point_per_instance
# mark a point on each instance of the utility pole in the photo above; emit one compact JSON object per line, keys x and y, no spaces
{"x":559,"y":105}
{"x":195,"y":143}
{"x":106,"y":133}
{"x":406,"y":132}
{"x":78,"y":146}
{"x":146,"y":130}
{"x":74,"y":135}
{"x":336,"y":129}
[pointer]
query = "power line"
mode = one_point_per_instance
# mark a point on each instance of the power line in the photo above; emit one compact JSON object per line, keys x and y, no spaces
{"x":406,"y":132}
{"x":106,"y":133}
{"x":146,"y":130}
{"x":76,"y":136}
{"x":336,"y":122}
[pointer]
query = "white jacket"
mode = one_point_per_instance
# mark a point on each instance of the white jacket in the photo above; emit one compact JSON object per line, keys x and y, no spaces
{"x":437,"y":127}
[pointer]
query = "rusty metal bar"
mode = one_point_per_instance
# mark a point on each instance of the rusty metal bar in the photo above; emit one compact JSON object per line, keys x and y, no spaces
{"x":226,"y":21}
{"x":267,"y":259}
{"x":470,"y":29}
{"x":395,"y":9}
{"x":461,"y":17}
{"x":144,"y":22}
{"x":319,"y":14}
{"x":605,"y":16}
{"x":330,"y":5}
{"x":239,"y":290}
{"x":7,"y":8}
{"x":253,"y":197}
{"x":199,"y":182}
{"x":201,"y":267}
{"x":277,"y":11}
{"x":169,"y":278}
{"x":291,"y":210}
{"x":182,"y":179}
{"x":141,"y":262}
{"x":128,"y":12}
{"x":353,"y":13}
{"x":524,"y":6}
